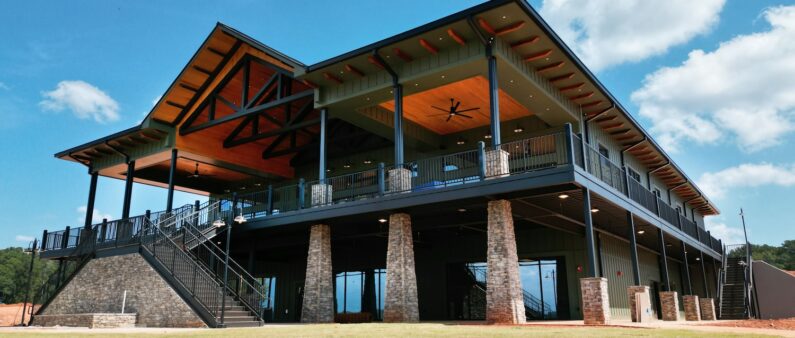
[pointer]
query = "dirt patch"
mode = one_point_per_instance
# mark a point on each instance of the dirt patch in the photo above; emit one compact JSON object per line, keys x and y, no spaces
{"x":11,"y":314}
{"x":779,"y":324}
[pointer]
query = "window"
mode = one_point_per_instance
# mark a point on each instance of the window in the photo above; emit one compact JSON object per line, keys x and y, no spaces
{"x":604,"y":151}
{"x":678,"y":210}
{"x":656,"y":192}
{"x":361,"y":291}
{"x":634,"y":174}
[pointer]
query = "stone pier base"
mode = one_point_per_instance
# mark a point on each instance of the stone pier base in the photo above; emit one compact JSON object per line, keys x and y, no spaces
{"x":669,"y":301}
{"x":707,"y":306}
{"x":504,"y":301}
{"x":321,"y":194}
{"x":89,"y":320}
{"x":595,"y":301}
{"x":400,"y":304}
{"x":692,"y":312}
{"x":398,"y":180}
{"x":318,"y":304}
{"x":497,"y":163}
{"x":639,"y":303}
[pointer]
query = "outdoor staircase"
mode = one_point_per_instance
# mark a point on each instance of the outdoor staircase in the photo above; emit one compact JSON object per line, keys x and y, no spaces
{"x":733,"y":296}
{"x":533,"y":309}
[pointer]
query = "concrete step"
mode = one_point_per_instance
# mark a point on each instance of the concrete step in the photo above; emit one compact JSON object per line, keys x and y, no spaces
{"x":244,"y":324}
{"x":239,"y":319}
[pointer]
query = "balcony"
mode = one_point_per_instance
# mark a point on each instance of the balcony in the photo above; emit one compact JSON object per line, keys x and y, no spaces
{"x":536,"y":155}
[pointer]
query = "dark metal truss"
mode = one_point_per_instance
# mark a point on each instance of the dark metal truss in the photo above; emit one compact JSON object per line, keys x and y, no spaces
{"x":275,"y":93}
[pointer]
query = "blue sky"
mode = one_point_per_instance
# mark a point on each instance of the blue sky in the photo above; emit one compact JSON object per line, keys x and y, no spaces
{"x":724,"y":68}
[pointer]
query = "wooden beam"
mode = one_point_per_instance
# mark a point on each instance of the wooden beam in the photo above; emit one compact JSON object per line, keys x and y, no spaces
{"x":550,"y":67}
{"x":591,"y":104}
{"x":581,"y":96}
{"x":429,"y":47}
{"x":509,"y":28}
{"x":332,"y":78}
{"x":202,"y":70}
{"x":537,"y":56}
{"x":614,"y":125}
{"x":606,"y":119}
{"x":486,"y":27}
{"x":310,"y":84}
{"x":572,"y":87}
{"x":352,"y":69}
{"x":620,"y":132}
{"x":174,"y":104}
{"x":216,"y":52}
{"x":375,"y":62}
{"x":188,"y":87}
{"x":524,"y":42}
{"x":457,"y":38}
{"x":403,"y":55}
{"x":561,"y":77}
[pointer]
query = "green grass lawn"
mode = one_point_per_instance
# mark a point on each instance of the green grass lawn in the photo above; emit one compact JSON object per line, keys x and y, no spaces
{"x":402,"y":331}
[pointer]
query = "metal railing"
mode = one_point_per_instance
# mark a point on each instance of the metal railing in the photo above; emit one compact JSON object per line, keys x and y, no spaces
{"x":66,"y":271}
{"x":537,"y":308}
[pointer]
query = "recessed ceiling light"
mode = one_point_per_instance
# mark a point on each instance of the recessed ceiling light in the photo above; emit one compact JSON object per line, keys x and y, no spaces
{"x":368,"y":161}
{"x":416,"y":84}
{"x":669,"y":245}
{"x":504,"y":17}
{"x":462,"y":210}
{"x":346,"y":165}
{"x":641,"y":232}
{"x":547,"y":109}
{"x":563,"y":196}
{"x":487,"y":136}
{"x":547,"y":59}
{"x":341,"y":72}
{"x":382,"y":220}
{"x":443,"y":76}
{"x":595,"y":210}
{"x":328,"y":170}
{"x":531,"y":96}
{"x":518,"y":129}
{"x":698,"y":258}
{"x":368,"y":99}
{"x":257,"y":184}
{"x":441,"y":38}
{"x":460,"y":141}
{"x":511,"y":81}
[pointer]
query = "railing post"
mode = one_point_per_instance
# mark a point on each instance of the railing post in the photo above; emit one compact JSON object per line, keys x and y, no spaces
{"x":626,"y":182}
{"x":301,"y":190}
{"x":104,"y":229}
{"x":569,"y":143}
{"x":44,"y":241}
{"x":269,"y":205}
{"x":679,"y":222}
{"x":657,"y":205}
{"x":482,"y":160}
{"x":65,"y":239}
{"x":381,"y":179}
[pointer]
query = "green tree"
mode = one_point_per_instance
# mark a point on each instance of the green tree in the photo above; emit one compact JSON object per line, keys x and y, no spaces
{"x":14,"y":265}
{"x":782,"y":256}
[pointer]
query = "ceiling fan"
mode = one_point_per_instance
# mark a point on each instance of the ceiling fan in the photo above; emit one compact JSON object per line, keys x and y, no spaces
{"x":196,"y":173}
{"x":453,"y":110}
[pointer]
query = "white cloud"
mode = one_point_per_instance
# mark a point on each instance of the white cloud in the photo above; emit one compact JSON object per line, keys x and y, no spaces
{"x":96,"y":217}
{"x":743,"y":89}
{"x":154,"y":102}
{"x":83,"y":99}
{"x":728,"y":234}
{"x":23,"y":238}
{"x":747,"y":175}
{"x":4,"y":86}
{"x":608,"y":33}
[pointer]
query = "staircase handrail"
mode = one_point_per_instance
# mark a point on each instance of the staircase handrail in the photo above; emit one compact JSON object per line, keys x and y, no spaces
{"x":479,"y":272}
{"x":84,"y":250}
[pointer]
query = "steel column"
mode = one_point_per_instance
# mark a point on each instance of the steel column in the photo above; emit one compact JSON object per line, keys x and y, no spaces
{"x":322,"y":166}
{"x":171,"y":173}
{"x":494,"y":99}
{"x":665,"y":279}
{"x":92,"y":194}
{"x":686,"y":267}
{"x":704,"y":273}
{"x":633,"y":249}
{"x":128,"y":184}
{"x":398,"y":91}
{"x":589,"y":233}
{"x":28,"y":286}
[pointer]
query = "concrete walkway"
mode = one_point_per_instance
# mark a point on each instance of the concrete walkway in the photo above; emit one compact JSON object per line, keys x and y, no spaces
{"x":678,"y":325}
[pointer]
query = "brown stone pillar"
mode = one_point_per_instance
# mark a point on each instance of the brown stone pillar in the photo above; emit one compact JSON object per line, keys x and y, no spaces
{"x":398,"y":180}
{"x":496,"y":163}
{"x":504,"y":301}
{"x":595,"y":301}
{"x":707,"y":306}
{"x":692,"y":312}
{"x":318,"y":304}
{"x":639,"y":303}
{"x":321,"y":194}
{"x":669,"y":301}
{"x":400,"y":303}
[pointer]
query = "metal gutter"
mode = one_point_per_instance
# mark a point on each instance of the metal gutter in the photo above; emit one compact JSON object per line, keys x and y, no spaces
{"x":99,"y":141}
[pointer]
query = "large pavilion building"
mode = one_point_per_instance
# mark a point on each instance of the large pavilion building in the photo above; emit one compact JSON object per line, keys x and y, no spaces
{"x":469,"y":169}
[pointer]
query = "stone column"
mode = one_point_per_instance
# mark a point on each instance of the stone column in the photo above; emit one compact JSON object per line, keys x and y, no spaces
{"x":400,"y":303}
{"x":321,"y":194}
{"x":639,"y":303}
{"x":595,"y":301}
{"x":497,"y":163}
{"x":504,"y":301}
{"x":318,"y":305}
{"x":707,"y":306}
{"x":669,"y":301}
{"x":692,"y":312}
{"x":399,"y":180}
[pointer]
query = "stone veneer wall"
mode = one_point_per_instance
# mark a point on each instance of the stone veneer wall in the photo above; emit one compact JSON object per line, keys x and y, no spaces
{"x":400,"y":303}
{"x":99,"y":288}
{"x":633,"y":292}
{"x":504,"y":301}
{"x":595,"y":301}
{"x":496,"y":163}
{"x":89,"y":320}
{"x":707,"y":306}
{"x":669,"y":301}
{"x":318,"y":303}
{"x":692,"y":312}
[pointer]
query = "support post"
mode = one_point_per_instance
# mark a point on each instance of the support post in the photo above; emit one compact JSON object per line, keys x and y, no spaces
{"x":226,"y":259}
{"x":686,"y":267}
{"x":633,"y":249}
{"x":381,"y":179}
{"x":92,"y":194}
{"x":482,"y":160}
{"x":569,"y":135}
{"x":30,"y":278}
{"x":322,"y":158}
{"x":398,"y":91}
{"x":664,"y":265}
{"x":704,"y":274}
{"x":269,"y":207}
{"x":128,"y":185}
{"x":171,"y":173}
{"x":589,"y":233}
{"x":494,"y":99}
{"x":301,"y":192}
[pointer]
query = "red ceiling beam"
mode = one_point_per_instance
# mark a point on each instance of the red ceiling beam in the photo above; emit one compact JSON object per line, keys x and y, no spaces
{"x":457,"y":38}
{"x":524,"y":42}
{"x":332,"y":78}
{"x":375,"y":62}
{"x":581,"y":96}
{"x":403,"y":55}
{"x":352,"y":69}
{"x":555,"y":65}
{"x":561,"y":78}
{"x":572,"y":87}
{"x":509,"y":28}
{"x":429,"y":47}
{"x":537,"y":56}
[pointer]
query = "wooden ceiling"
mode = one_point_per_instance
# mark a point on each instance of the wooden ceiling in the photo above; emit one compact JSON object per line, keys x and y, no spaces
{"x":117,"y":146}
{"x":472,"y":93}
{"x":211,"y":178}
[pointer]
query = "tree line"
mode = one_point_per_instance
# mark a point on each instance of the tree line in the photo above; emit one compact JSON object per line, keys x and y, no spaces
{"x":14,"y":265}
